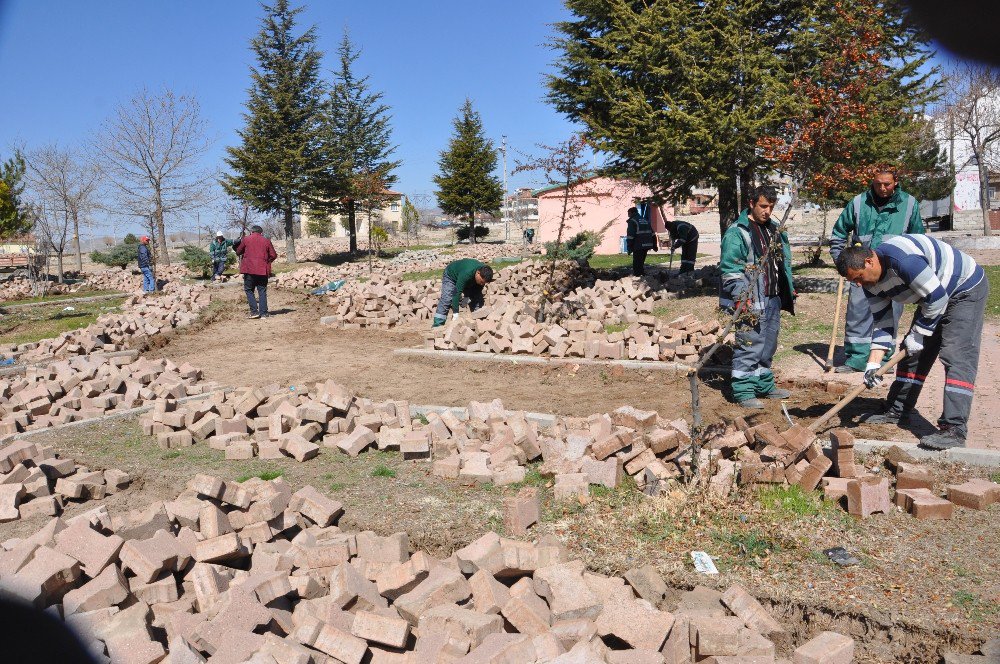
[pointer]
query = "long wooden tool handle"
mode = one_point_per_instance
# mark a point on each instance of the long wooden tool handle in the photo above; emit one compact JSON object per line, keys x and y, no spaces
{"x":850,"y":396}
{"x":836,"y":323}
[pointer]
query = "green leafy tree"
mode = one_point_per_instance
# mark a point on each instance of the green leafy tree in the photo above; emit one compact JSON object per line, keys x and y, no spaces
{"x":410,"y":218}
{"x":677,"y":93}
{"x":199,"y":261}
{"x":15,"y":218}
{"x":466,"y":182}
{"x":357,"y":142}
{"x":280,"y":164}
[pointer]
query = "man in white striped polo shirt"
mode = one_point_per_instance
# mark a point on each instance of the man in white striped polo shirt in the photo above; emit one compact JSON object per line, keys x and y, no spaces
{"x":951,"y":290}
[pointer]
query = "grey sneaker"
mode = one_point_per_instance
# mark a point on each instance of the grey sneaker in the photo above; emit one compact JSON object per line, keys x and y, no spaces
{"x":942,"y":440}
{"x":888,"y":417}
{"x":752,"y":404}
{"x":843,"y":368}
{"x":253,"y":316}
{"x":778,"y":393}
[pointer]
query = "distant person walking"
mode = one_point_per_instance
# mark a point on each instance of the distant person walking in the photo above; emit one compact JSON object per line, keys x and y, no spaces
{"x":219,"y":251}
{"x":146,"y":265}
{"x":256,"y":255}
{"x":640,"y":238}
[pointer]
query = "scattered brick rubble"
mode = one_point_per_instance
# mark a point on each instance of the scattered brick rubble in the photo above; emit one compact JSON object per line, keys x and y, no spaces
{"x":257,"y":573}
{"x":20,"y":288}
{"x":34,"y":481}
{"x":140,"y":317}
{"x":130,"y":281}
{"x":85,"y":387}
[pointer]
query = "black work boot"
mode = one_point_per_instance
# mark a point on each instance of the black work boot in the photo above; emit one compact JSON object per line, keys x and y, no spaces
{"x":943,"y":440}
{"x":891,"y":416}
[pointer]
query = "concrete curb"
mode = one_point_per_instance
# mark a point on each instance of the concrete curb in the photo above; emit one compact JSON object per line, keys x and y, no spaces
{"x":674,"y":367}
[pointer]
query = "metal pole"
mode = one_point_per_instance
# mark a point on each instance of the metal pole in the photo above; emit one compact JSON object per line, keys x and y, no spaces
{"x":506,"y":198}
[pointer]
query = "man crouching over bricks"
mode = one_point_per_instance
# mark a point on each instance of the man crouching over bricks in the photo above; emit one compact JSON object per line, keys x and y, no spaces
{"x":951,"y":289}
{"x":468,"y":277}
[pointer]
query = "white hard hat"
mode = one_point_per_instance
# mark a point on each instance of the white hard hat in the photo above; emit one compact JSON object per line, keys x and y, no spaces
{"x":219,"y":234}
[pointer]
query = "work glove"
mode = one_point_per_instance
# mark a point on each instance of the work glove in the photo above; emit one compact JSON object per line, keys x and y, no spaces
{"x":871,"y":380}
{"x":454,"y":316}
{"x":913,"y":343}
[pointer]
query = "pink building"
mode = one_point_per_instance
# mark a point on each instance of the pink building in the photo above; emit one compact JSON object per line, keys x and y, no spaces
{"x":596,"y":204}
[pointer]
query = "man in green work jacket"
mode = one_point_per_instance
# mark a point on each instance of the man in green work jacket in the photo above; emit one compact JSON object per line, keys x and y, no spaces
{"x":466,"y":276}
{"x":871,"y":218}
{"x":765,"y":286}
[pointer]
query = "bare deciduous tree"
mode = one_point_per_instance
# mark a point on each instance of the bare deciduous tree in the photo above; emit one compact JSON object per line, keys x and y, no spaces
{"x":66,"y":184}
{"x":974,"y":91}
{"x":52,"y":232}
{"x":150,"y":151}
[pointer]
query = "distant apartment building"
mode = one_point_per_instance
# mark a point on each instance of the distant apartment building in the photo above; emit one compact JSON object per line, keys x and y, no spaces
{"x":520,"y":209}
{"x":389,"y":217}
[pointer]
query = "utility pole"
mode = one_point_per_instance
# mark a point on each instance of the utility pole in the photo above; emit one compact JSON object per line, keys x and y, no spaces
{"x":506,"y":199}
{"x":951,"y":162}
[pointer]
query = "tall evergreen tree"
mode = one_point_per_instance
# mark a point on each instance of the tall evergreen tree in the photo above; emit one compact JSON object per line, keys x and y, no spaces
{"x":466,"y":182}
{"x":926,"y":171}
{"x":410,"y":218}
{"x":15,"y":218}
{"x":679,"y":92}
{"x":357,"y":143}
{"x":279,"y":164}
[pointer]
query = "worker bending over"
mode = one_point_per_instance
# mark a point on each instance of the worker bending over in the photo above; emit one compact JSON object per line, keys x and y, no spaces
{"x":952,"y":291}
{"x":468,"y":277}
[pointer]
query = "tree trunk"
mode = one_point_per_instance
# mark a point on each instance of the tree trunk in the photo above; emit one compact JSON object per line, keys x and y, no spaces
{"x":59,"y":265}
{"x":729,"y":204}
{"x":76,"y":242}
{"x":746,"y":184}
{"x":472,"y":227}
{"x":984,"y":193}
{"x":161,"y":236}
{"x":290,"y":235}
{"x":352,"y":226}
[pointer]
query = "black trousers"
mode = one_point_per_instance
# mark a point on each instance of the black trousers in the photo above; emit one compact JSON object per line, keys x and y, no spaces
{"x":639,"y":262}
{"x":256,"y":282}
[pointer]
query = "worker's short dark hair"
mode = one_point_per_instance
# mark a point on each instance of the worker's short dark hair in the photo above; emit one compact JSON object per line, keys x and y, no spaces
{"x":256,"y":229}
{"x":486,"y":272}
{"x":765,"y":191}
{"x":886,"y":169}
{"x":633,"y":212}
{"x":852,"y":258}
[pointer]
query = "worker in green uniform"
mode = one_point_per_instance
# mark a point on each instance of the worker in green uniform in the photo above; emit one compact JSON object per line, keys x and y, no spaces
{"x":882,"y":212}
{"x":756,"y":269}
{"x":468,"y":277}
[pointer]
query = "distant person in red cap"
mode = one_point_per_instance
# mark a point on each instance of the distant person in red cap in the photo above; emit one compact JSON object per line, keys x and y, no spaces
{"x":146,"y":265}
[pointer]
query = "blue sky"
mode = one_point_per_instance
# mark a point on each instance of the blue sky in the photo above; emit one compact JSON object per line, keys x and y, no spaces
{"x":64,"y":64}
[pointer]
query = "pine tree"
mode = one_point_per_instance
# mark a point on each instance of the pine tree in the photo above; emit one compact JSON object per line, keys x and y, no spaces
{"x":679,"y":92}
{"x":279,"y":165}
{"x":466,"y":183}
{"x":15,"y":220}
{"x":925,"y":169}
{"x":357,"y":143}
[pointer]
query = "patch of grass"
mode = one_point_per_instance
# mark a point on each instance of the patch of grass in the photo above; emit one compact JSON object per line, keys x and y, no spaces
{"x":975,"y":607}
{"x":59,"y":298}
{"x":172,"y":454}
{"x":611,"y":328}
{"x":751,"y":547}
{"x":421,"y":275}
{"x":383,"y":471}
{"x":995,"y":477}
{"x":791,"y":501}
{"x":34,"y":323}
{"x":656,"y":527}
{"x":337,"y":486}
{"x":266,"y":475}
{"x":531,"y":478}
{"x":423,"y":419}
{"x":610,"y":261}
